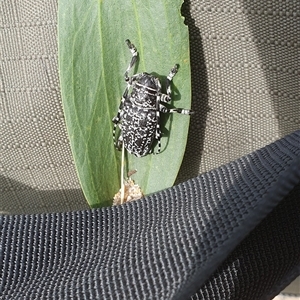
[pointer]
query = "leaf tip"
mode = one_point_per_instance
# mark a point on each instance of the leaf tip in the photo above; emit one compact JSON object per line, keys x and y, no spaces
{"x":184,"y":10}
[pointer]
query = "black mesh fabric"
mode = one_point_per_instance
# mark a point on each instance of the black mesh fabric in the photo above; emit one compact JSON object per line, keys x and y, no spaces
{"x":265,"y":262}
{"x":231,"y":233}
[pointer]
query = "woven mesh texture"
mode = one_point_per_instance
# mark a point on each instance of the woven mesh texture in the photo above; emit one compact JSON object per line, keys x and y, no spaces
{"x":37,"y":172}
{"x":254,"y":270}
{"x":166,"y":245}
{"x":245,"y":78}
{"x":245,"y":88}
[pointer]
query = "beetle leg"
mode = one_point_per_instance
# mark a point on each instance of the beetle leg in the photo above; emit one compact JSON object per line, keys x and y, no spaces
{"x":116,"y":120}
{"x":167,"y":97}
{"x":119,"y":142}
{"x":158,"y":133}
{"x":134,"y":53}
{"x":172,"y":73}
{"x":182,"y":111}
{"x":114,"y":135}
{"x":158,"y":146}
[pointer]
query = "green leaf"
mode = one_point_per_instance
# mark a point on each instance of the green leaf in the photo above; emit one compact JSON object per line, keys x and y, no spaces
{"x":93,"y":57}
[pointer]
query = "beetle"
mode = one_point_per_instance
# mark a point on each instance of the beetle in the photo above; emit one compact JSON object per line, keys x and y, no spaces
{"x":138,"y":115}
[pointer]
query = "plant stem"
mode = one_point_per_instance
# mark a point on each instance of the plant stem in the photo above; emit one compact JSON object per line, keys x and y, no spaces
{"x":122,"y":175}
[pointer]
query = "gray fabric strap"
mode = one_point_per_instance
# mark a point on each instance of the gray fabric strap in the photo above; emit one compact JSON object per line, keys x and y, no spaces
{"x":168,"y":244}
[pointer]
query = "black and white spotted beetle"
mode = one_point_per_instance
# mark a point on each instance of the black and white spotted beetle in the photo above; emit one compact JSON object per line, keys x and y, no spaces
{"x":139,"y":112}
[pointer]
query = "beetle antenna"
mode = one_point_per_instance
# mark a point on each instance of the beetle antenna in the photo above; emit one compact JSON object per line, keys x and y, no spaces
{"x":134,"y":54}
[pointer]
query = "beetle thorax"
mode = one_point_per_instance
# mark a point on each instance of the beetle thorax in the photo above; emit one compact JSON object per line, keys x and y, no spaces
{"x":145,"y":90}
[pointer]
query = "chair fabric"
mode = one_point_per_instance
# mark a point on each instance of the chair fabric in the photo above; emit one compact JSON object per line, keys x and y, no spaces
{"x":228,"y":229}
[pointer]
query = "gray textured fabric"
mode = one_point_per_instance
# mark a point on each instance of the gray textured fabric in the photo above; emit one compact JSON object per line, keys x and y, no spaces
{"x":37,"y":172}
{"x":245,"y":64}
{"x":245,"y":78}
